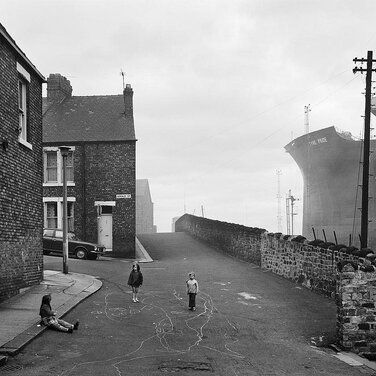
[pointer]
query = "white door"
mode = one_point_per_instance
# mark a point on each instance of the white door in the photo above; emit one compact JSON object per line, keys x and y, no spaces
{"x":105,"y":228}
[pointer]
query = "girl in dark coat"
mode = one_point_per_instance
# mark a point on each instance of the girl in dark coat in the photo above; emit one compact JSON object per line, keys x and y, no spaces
{"x":49,"y":317}
{"x":135,"y":280}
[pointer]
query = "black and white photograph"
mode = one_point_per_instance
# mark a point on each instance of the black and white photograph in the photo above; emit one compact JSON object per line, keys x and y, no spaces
{"x":187,"y":187}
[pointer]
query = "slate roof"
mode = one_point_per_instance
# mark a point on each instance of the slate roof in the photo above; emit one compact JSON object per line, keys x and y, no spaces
{"x":87,"y":118}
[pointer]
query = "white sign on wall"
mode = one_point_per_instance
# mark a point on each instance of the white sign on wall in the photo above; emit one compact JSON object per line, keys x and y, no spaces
{"x":124,"y":195}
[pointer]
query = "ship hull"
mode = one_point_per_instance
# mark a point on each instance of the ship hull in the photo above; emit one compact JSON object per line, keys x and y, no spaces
{"x":330,"y":164}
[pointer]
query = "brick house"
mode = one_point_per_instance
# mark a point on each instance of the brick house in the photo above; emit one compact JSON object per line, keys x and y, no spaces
{"x":21,"y":167}
{"x":100,"y":166}
{"x":144,"y":208}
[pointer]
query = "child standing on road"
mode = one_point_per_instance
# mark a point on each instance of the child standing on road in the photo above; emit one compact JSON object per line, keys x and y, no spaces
{"x":135,"y":280}
{"x":192,"y":290}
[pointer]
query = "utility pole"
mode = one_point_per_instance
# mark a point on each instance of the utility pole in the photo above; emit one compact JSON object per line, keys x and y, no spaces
{"x":64,"y":150}
{"x":307,"y":109}
{"x":292,"y":198}
{"x":279,"y":197}
{"x":202,"y":211}
{"x":290,"y":212}
{"x":288,"y":216}
{"x":366,"y":148}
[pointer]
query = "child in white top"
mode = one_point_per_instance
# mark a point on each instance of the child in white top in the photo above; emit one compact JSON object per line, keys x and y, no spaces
{"x":192,"y":290}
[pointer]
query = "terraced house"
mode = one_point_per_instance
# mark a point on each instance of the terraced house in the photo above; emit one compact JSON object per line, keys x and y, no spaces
{"x":21,"y":211}
{"x":100,"y":173}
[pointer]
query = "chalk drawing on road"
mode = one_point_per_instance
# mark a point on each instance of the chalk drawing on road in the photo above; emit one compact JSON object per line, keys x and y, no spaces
{"x":177,"y":295}
{"x":247,"y":296}
{"x":177,"y":331}
{"x":248,"y":304}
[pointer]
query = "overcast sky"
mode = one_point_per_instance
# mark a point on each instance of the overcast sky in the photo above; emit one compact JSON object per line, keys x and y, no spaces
{"x":219,"y":88}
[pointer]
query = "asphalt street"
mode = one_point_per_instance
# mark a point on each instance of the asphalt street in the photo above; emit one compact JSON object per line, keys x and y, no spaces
{"x":247,"y":322}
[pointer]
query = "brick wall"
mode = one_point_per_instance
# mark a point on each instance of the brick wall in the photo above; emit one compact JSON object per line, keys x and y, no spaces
{"x":21,"y":210}
{"x":101,"y":171}
{"x":110,"y":170}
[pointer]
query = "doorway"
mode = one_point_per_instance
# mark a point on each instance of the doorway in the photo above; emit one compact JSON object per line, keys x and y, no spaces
{"x":105,"y":227}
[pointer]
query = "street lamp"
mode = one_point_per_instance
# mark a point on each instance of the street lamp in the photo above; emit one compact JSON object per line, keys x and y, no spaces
{"x":64,"y":150}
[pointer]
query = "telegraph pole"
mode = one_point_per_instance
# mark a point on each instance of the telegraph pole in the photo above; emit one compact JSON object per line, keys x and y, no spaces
{"x":367,"y":131}
{"x":290,"y":199}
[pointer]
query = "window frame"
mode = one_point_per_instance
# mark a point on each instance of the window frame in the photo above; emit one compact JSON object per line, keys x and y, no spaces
{"x":23,"y":83}
{"x":59,"y":203}
{"x":49,"y":218}
{"x":59,"y":167}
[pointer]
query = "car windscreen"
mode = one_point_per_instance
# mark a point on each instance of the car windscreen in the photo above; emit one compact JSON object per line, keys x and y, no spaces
{"x":58,"y":234}
{"x":48,"y":232}
{"x":72,"y":236}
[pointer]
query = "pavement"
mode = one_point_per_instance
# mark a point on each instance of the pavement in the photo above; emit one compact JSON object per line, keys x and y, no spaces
{"x":20,"y":320}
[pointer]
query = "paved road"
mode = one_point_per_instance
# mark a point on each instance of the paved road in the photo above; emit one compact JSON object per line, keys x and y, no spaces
{"x":248,"y":322}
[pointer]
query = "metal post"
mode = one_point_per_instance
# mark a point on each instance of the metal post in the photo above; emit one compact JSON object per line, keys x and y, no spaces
{"x":64,"y":150}
{"x":367,"y":118}
{"x":365,"y":188}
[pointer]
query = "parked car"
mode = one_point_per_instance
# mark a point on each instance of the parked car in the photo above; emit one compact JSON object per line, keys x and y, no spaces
{"x":53,"y":243}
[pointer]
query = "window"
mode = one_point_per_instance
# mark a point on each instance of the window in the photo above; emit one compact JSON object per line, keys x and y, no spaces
{"x":23,"y":87}
{"x":53,"y":167}
{"x":69,"y":167}
{"x":22,"y":110}
{"x":106,"y":209}
{"x":70,"y":215}
{"x":53,"y":212}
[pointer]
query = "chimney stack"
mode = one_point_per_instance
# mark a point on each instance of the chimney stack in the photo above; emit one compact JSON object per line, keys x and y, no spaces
{"x":58,"y":88}
{"x":128,"y":100}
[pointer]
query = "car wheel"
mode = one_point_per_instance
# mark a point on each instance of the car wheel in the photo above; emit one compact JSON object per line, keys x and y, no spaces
{"x":81,"y":253}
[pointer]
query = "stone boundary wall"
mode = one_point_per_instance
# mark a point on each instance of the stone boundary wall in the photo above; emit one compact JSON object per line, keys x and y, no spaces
{"x":348,"y":279}
{"x":236,"y":240}
{"x":356,"y":313}
{"x":313,"y":267}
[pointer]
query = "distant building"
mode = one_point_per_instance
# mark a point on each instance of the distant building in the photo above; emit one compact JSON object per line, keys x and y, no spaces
{"x":21,"y":211}
{"x":101,"y":166}
{"x":173,"y":223}
{"x":144,"y":208}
